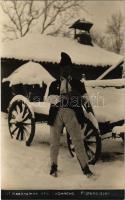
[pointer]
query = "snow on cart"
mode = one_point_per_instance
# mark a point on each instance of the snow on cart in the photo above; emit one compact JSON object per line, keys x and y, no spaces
{"x":106,"y":96}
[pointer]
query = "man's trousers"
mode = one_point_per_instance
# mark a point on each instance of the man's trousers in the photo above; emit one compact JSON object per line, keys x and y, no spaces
{"x":66,"y":116}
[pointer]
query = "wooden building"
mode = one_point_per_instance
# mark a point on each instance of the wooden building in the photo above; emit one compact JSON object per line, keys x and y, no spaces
{"x":88,"y":59}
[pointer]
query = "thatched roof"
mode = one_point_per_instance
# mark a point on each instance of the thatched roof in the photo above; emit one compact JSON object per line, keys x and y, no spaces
{"x":45,"y":48}
{"x":29,"y":73}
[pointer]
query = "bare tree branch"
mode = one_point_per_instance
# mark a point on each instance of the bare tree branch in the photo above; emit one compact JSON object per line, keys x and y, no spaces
{"x":115,"y":30}
{"x":113,"y":38}
{"x":54,"y":9}
{"x":49,"y":14}
{"x":21,"y":14}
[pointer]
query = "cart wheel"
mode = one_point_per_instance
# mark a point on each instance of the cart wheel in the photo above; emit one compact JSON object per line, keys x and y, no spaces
{"x":21,"y":120}
{"x":92,"y":142}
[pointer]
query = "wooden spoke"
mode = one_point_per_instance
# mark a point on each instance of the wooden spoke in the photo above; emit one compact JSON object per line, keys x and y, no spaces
{"x":24,"y":113}
{"x":18,"y":135}
{"x":24,"y":130}
{"x":26,"y":118}
{"x":14,"y":130}
{"x":89,"y":134}
{"x":14,"y":114}
{"x":25,"y":124}
{"x":22,"y":133}
{"x":12,"y":126}
{"x":17,"y":109}
{"x":86,"y":131}
{"x":89,"y":142}
{"x":28,"y":127}
{"x":86,"y":147}
{"x":90,"y":152}
{"x":83,"y":130}
{"x":26,"y":133}
{"x":21,"y":120}
{"x":28,"y":121}
{"x":20,"y":105}
{"x":92,"y":139}
{"x":12,"y":121}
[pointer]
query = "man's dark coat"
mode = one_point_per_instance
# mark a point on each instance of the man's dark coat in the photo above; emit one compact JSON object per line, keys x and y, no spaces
{"x":79,"y":89}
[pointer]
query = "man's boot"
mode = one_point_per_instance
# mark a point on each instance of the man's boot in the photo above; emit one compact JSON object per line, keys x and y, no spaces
{"x":53,"y":170}
{"x":87,"y":171}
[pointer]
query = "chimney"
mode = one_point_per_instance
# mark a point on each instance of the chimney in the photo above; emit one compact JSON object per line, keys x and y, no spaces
{"x":82,"y":31}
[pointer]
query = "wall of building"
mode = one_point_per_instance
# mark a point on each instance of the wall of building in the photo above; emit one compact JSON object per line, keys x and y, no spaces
{"x":8,"y":66}
{"x":91,"y":72}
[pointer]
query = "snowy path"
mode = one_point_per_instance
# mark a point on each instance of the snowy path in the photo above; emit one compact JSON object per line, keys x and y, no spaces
{"x":28,"y":167}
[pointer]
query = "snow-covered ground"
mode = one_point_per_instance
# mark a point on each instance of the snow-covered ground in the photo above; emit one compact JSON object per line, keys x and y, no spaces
{"x":28,"y":167}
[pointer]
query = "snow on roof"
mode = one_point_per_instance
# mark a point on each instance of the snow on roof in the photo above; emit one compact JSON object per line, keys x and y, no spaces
{"x":46,"y":48}
{"x":106,"y":83}
{"x":29,"y":73}
{"x":119,"y":129}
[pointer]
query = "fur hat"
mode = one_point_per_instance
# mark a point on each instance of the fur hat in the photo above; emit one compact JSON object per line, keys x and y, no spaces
{"x":65,"y":59}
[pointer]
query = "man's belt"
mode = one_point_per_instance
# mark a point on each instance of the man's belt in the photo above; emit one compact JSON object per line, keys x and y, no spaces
{"x":67,"y":101}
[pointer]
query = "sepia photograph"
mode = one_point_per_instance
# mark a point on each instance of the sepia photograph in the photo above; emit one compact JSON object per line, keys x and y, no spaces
{"x":62,"y":99}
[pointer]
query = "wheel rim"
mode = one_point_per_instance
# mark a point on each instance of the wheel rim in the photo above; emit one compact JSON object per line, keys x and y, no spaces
{"x":20,"y":121}
{"x":92,"y":143}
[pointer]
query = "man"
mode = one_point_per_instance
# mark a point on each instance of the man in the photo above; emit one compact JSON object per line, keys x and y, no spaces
{"x":65,"y":97}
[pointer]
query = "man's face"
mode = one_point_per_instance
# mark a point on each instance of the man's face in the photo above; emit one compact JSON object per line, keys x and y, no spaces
{"x":65,"y":71}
